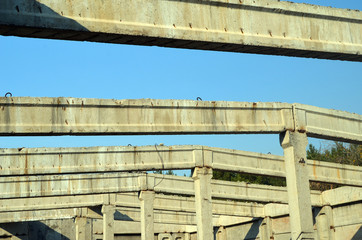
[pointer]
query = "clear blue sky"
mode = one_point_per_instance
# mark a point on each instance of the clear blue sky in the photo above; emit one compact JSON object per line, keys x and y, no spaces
{"x":53,"y":68}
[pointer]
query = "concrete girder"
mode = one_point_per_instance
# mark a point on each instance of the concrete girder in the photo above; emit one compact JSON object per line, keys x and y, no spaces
{"x":182,"y":210}
{"x":34,"y":161}
{"x":102,"y":183}
{"x":264,"y":26}
{"x":76,"y":116}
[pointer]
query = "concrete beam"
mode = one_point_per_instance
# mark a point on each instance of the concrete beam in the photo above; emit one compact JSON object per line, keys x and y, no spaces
{"x":168,"y":208}
{"x":328,"y":124}
{"x":74,"y":116}
{"x":68,"y":184}
{"x":342,"y":195}
{"x":102,"y":183}
{"x":264,"y":26}
{"x":39,"y":161}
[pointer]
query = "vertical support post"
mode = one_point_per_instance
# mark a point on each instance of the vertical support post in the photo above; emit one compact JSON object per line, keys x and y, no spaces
{"x":325,"y":225}
{"x":265,"y":229}
{"x":300,"y":207}
{"x":203,"y":203}
{"x":83,"y":229}
{"x":147,"y":227}
{"x":221,"y":233}
{"x":108,"y":222}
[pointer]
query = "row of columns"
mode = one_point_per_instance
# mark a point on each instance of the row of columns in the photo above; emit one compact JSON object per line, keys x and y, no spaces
{"x":300,"y":208}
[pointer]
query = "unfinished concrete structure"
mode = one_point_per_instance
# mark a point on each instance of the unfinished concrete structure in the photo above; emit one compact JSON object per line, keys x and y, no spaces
{"x":103,"y":190}
{"x":95,"y":193}
{"x":263,"y":26}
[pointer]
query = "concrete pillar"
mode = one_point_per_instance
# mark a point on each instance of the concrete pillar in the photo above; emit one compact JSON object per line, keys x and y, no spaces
{"x":325,"y":225}
{"x":265,"y":229}
{"x":221,"y":233}
{"x":108,"y":222}
{"x":83,"y":228}
{"x":203,"y":203}
{"x":300,"y":208}
{"x":147,"y":227}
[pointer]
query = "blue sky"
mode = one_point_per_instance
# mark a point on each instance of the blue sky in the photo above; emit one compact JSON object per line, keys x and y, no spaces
{"x":53,"y":68}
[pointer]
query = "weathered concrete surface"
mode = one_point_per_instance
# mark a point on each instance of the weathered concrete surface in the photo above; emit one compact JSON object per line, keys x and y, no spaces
{"x":35,"y":161}
{"x":264,"y":26}
{"x":300,"y":204}
{"x":76,"y":116}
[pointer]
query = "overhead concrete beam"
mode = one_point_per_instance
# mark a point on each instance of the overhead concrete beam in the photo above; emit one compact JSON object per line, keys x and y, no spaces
{"x":23,"y":116}
{"x":39,"y":161}
{"x":264,"y":26}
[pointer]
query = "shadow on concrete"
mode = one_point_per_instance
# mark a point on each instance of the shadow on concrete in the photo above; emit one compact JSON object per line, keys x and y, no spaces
{"x":358,"y":235}
{"x":37,"y":230}
{"x":30,"y":13}
{"x":254,"y":229}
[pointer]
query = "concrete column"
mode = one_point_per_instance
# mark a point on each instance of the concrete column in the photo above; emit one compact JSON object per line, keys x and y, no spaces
{"x":83,"y":229}
{"x":147,"y":227}
{"x":266,"y":232}
{"x":325,"y":225}
{"x":300,"y":208}
{"x":203,"y":203}
{"x":221,"y":233}
{"x":108,"y":222}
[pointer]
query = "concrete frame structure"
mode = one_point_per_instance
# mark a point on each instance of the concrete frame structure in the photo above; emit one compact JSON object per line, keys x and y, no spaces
{"x":263,"y":26}
{"x":53,"y":184}
{"x":79,"y":180}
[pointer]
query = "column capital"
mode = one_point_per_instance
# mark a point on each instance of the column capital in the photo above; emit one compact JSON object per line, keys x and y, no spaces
{"x":289,"y":139}
{"x":204,"y":171}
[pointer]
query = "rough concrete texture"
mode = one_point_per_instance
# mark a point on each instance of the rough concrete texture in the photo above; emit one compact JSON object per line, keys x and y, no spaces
{"x":263,"y":26}
{"x":78,"y":116}
{"x":102,"y":194}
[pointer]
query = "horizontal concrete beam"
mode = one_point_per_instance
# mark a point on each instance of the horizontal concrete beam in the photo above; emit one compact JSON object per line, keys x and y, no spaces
{"x":74,"y":116}
{"x":101,"y":183}
{"x":264,"y":26}
{"x":68,"y":184}
{"x":342,"y":195}
{"x":38,"y":215}
{"x":130,"y":227}
{"x":34,"y":161}
{"x":71,"y":116}
{"x":168,"y":209}
{"x":328,"y":124}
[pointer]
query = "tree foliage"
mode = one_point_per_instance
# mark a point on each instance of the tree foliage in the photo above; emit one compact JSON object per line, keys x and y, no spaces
{"x":337,"y":152}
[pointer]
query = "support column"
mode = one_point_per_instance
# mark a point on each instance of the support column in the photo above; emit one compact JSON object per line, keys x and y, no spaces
{"x":265,"y":229}
{"x":147,"y":227}
{"x":83,"y":229}
{"x":300,"y":208}
{"x":325,"y":225}
{"x":203,"y":203}
{"x":221,"y":233}
{"x":108,"y":222}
